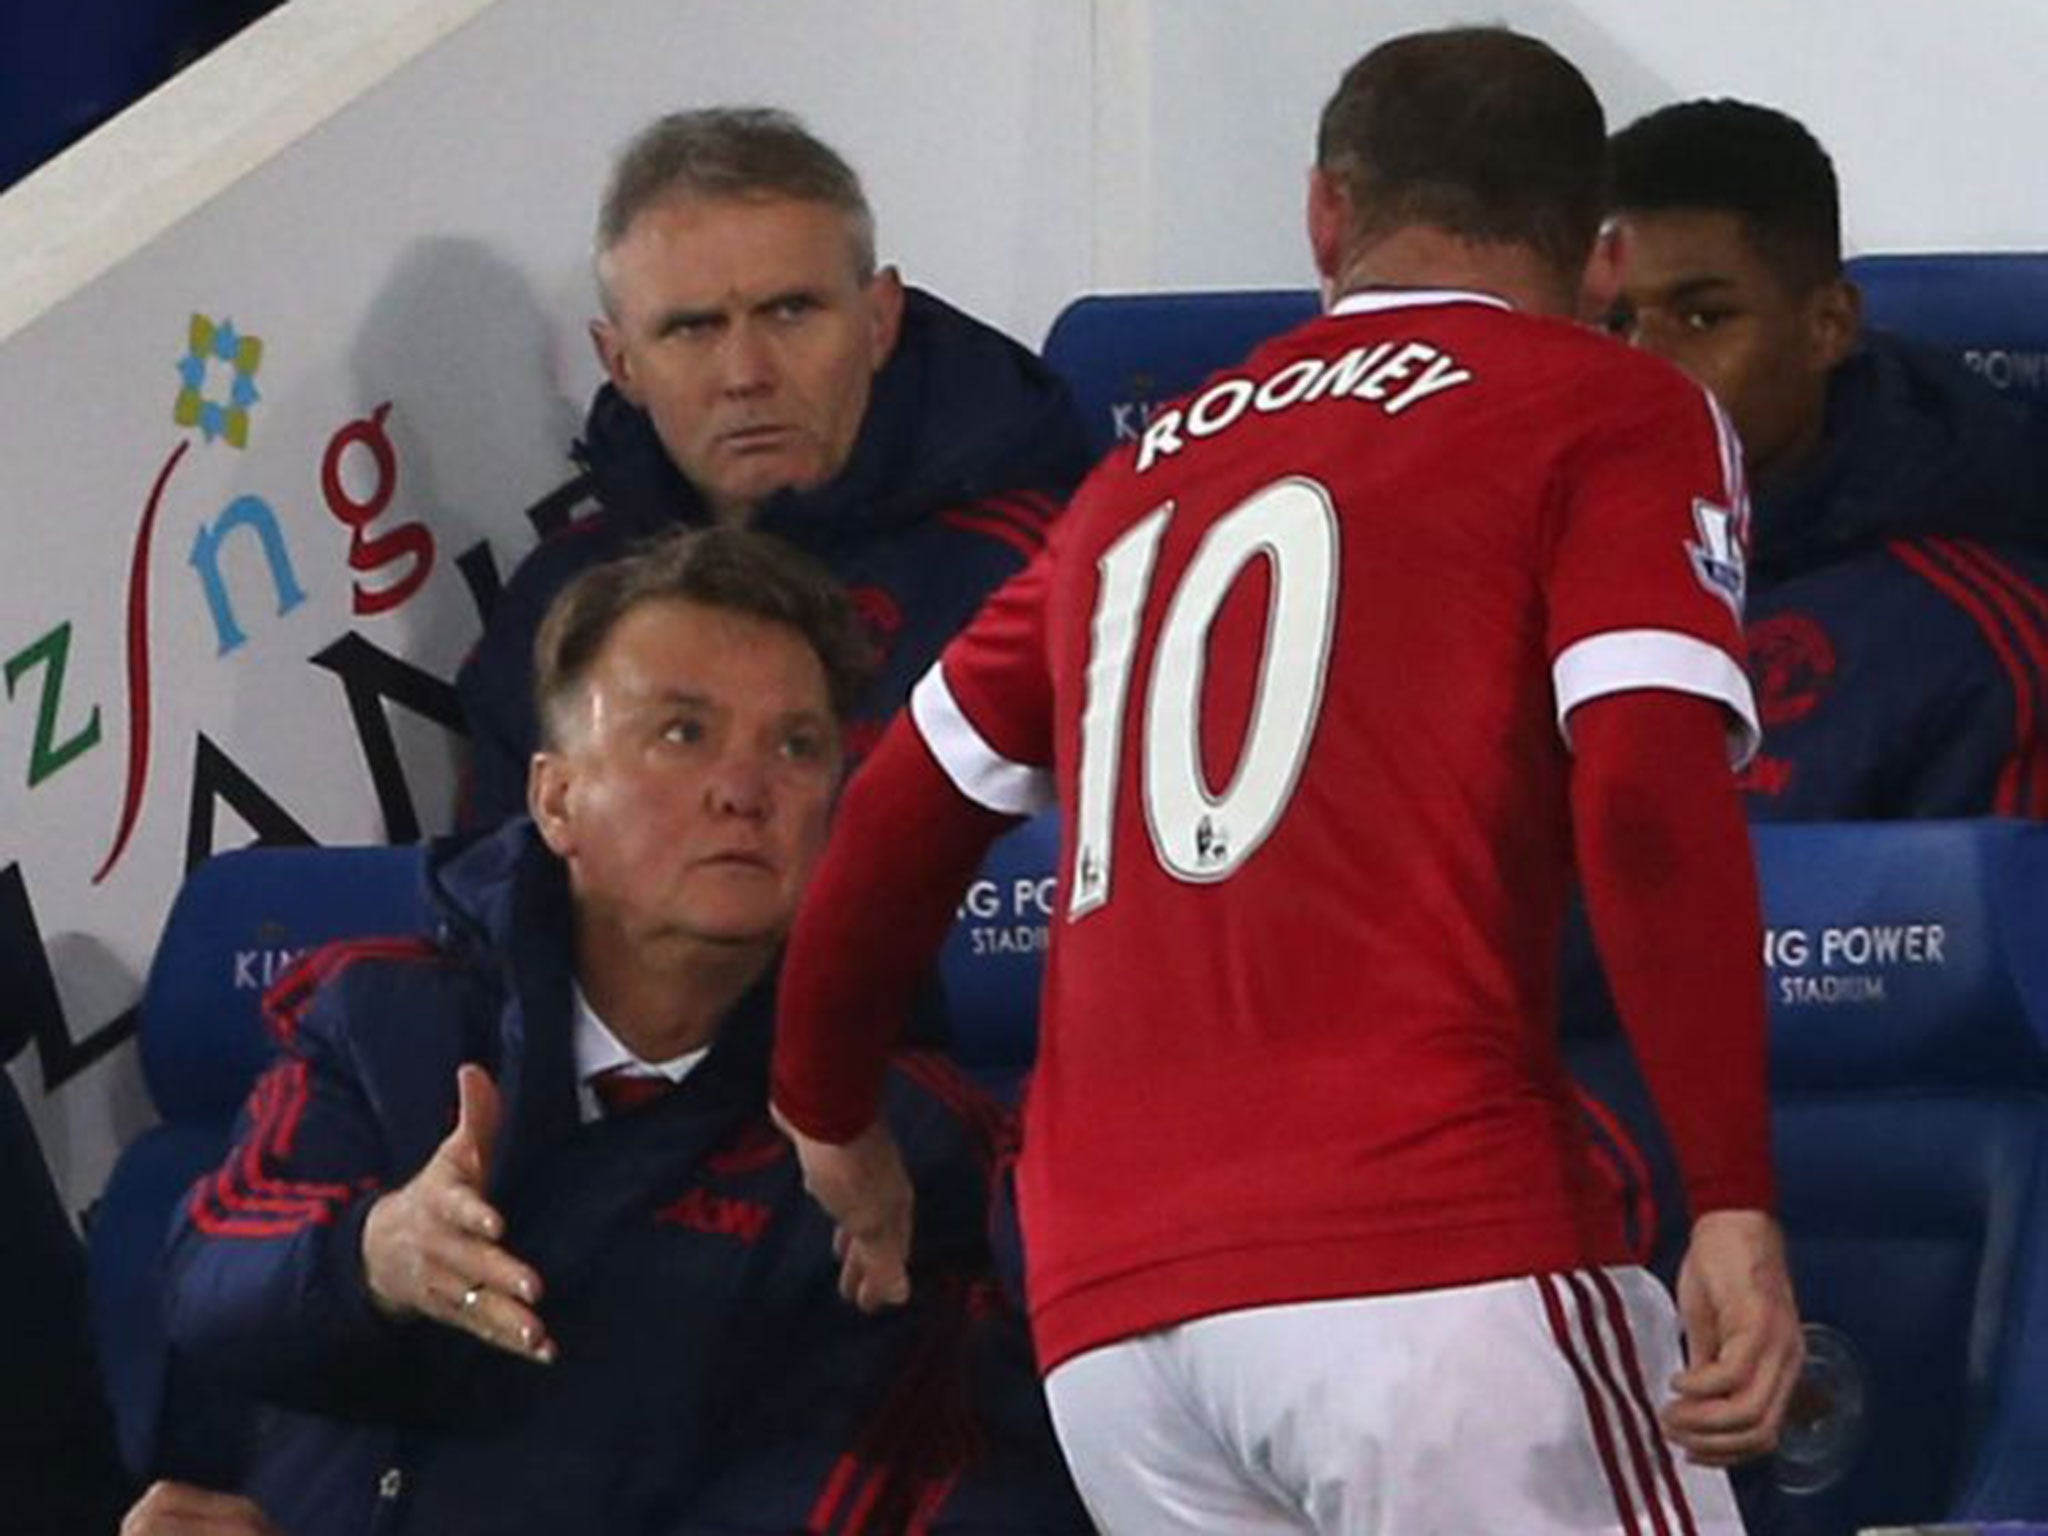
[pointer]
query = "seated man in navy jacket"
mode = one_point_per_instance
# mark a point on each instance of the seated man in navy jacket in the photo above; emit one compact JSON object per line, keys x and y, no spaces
{"x":600,"y":1301}
{"x":1898,"y":570}
{"x":765,"y":371}
{"x":1897,"y":604}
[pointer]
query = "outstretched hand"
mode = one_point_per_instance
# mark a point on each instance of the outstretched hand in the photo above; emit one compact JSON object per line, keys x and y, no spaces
{"x":863,"y":1187}
{"x":1742,"y":1340}
{"x":432,"y":1247}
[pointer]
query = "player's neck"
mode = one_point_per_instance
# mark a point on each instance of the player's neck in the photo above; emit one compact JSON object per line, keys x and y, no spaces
{"x":1419,"y":256}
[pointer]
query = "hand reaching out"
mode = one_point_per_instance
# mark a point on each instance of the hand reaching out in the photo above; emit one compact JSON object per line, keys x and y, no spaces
{"x":863,"y":1187}
{"x":431,"y":1248}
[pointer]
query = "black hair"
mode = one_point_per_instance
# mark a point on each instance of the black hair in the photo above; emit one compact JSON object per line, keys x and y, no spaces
{"x":1735,"y":157}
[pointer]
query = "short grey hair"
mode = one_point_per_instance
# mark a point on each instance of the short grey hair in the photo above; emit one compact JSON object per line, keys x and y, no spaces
{"x":732,"y":570}
{"x":731,"y":152}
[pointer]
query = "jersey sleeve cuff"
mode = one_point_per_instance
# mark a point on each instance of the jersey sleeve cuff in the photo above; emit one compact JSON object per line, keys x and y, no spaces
{"x":1753,"y":1189}
{"x":834,"y":1123}
{"x":1622,"y":660}
{"x":977,"y":769}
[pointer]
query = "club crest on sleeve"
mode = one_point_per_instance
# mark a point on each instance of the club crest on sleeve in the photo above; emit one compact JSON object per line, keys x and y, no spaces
{"x":1717,"y":557}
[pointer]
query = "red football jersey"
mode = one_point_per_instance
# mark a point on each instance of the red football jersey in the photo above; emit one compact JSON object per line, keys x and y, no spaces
{"x":1302,"y":661}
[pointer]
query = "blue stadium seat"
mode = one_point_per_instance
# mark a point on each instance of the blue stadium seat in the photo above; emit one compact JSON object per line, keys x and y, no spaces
{"x":239,"y":921}
{"x":1123,"y":355}
{"x":1909,"y":1062}
{"x":994,"y":955}
{"x":1989,"y":309}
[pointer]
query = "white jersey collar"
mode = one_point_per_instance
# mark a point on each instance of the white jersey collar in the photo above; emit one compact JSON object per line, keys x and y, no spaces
{"x":1367,"y":301}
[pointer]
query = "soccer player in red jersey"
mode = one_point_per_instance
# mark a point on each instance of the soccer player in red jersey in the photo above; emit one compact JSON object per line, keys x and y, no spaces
{"x":1336,"y":676}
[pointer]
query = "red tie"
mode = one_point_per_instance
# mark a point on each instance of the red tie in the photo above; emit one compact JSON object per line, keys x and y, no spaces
{"x":622,"y":1089}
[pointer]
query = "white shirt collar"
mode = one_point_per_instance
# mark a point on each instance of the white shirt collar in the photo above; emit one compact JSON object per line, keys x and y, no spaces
{"x":597,"y":1049}
{"x":1368,"y":301}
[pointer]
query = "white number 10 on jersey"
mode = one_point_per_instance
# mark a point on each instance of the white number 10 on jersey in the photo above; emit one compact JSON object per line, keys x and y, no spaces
{"x":1200,"y":835}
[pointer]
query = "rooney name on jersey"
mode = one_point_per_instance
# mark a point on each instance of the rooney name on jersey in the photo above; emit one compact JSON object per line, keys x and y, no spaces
{"x":1392,"y":375}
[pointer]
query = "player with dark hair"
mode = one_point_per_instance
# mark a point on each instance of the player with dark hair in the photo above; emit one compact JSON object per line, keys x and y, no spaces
{"x":1898,"y":617}
{"x":1335,"y":675}
{"x":1741,"y":197}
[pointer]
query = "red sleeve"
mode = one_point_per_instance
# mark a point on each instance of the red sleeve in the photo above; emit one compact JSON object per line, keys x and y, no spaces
{"x":955,"y":770}
{"x":906,"y":845}
{"x":1645,"y":576}
{"x":985,"y":712}
{"x":1671,"y":889}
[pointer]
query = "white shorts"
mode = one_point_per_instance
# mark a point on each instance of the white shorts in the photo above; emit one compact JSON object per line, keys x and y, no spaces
{"x":1519,"y":1407}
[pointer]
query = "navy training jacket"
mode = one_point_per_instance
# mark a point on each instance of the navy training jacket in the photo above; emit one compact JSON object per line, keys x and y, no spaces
{"x":968,"y":450}
{"x":710,"y":1379}
{"x":1898,"y":608}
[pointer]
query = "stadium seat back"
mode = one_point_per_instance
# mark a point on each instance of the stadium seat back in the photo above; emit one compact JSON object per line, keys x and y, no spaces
{"x":1124,"y":355}
{"x":1909,"y":1033}
{"x":993,"y":962}
{"x":239,"y":921}
{"x":1990,"y":309}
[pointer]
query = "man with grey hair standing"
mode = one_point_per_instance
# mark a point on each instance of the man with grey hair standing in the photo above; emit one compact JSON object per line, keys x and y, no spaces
{"x":763,"y":370}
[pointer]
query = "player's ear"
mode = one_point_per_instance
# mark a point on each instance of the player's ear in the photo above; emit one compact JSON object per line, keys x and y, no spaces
{"x":1329,"y":222}
{"x":1600,"y":286}
{"x":612,"y":356}
{"x":884,"y":300}
{"x":1834,"y":319}
{"x":548,"y":801}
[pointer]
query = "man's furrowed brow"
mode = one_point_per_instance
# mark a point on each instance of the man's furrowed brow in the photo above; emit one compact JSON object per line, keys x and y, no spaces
{"x":683,"y":317}
{"x":800,"y":296}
